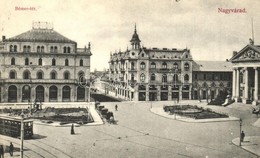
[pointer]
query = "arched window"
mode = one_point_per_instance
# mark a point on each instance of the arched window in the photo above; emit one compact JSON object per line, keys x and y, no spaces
{"x":68,"y":49}
{"x":24,"y":48}
{"x":175,"y":78}
{"x":26,"y":62}
{"x":66,"y":93}
{"x":132,"y":77}
{"x":13,"y":61}
{"x":53,"y":75}
{"x":55,"y":49}
{"x":51,"y":50}
{"x":142,"y":77}
{"x":164,"y":78}
{"x":38,"y":49}
{"x":40,"y":61}
{"x":152,"y":77}
{"x":186,"y":66}
{"x":66,"y":62}
{"x":153,"y":65}
{"x":142,"y":66}
{"x":81,"y":62}
{"x":186,"y":77}
{"x":26,"y":75}
{"x":39,"y":75}
{"x":66,"y":75}
{"x":53,"y":62}
{"x":175,"y":66}
{"x":28,"y":48}
{"x":42,"y":49}
{"x":132,"y":65}
{"x":11,"y":48}
{"x":64,"y":50}
{"x":164,"y":65}
{"x":15,"y":48}
{"x":12,"y":75}
{"x":12,"y":94}
{"x":53,"y":93}
{"x":81,"y":76}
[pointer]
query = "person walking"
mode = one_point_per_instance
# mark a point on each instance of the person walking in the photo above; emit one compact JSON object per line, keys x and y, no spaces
{"x":1,"y":151}
{"x":242,"y":136}
{"x":72,"y":129}
{"x":11,"y":149}
{"x":116,"y":107}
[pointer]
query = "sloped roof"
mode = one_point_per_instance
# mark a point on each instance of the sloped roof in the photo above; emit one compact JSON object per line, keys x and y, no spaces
{"x":41,"y":35}
{"x":216,"y":66}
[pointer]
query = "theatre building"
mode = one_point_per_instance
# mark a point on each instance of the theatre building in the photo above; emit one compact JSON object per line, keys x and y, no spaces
{"x":43,"y":65}
{"x":246,"y":65}
{"x":148,"y":74}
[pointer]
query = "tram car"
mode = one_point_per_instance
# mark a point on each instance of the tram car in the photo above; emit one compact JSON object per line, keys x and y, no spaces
{"x":11,"y":126}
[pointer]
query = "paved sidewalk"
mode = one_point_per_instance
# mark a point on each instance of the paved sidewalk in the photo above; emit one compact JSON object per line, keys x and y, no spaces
{"x":250,"y":144}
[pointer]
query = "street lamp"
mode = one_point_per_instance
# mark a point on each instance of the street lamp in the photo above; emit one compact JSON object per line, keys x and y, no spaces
{"x":240,"y":127}
{"x":22,"y":135}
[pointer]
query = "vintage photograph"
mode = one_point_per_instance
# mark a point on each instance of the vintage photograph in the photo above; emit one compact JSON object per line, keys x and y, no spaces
{"x":129,"y":79}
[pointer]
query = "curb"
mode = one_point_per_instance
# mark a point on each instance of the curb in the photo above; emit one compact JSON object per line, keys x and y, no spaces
{"x":233,"y":142}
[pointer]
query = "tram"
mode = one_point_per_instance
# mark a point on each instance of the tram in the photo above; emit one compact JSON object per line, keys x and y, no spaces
{"x":11,"y":126}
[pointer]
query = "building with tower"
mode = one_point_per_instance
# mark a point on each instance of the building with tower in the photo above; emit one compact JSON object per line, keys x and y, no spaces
{"x":148,"y":74}
{"x":43,"y":65}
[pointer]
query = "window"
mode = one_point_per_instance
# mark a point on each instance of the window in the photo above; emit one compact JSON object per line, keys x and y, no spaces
{"x":26,"y":75}
{"x":186,"y":77}
{"x":81,"y":77}
{"x":164,"y":65}
{"x":55,"y":49}
{"x":24,"y":49}
{"x":11,"y":48}
{"x":142,"y":66}
{"x":15,"y":48}
{"x":195,"y":76}
{"x":68,"y":49}
{"x":53,"y":62}
{"x":213,"y":77}
{"x":39,"y":75}
{"x":153,"y":65}
{"x":53,"y":75}
{"x":142,"y":55}
{"x":164,"y":78}
{"x":38,"y":49}
{"x":26,"y":62}
{"x":142,"y":77}
{"x":64,"y":50}
{"x":175,"y":78}
{"x":66,"y":75}
{"x":13,"y":61}
{"x":42,"y":49}
{"x":152,"y":77}
{"x":187,"y":56}
{"x":175,"y":66}
{"x":132,"y":77}
{"x":12,"y":75}
{"x":40,"y":61}
{"x":186,"y":66}
{"x":132,"y":65}
{"x":81,"y":62}
{"x":66,"y":62}
{"x":28,"y":48}
{"x":51,"y":50}
{"x":204,"y":77}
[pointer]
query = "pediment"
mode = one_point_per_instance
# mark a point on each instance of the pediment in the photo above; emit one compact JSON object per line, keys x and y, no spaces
{"x":249,"y":53}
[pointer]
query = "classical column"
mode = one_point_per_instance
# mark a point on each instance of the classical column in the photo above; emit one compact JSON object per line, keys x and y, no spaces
{"x":245,"y":86}
{"x":234,"y":88}
{"x":237,"y":85}
{"x":256,"y":87}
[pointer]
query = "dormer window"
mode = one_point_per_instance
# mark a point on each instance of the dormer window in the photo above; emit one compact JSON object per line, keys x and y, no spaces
{"x":142,"y":55}
{"x":53,"y":62}
{"x":187,"y":56}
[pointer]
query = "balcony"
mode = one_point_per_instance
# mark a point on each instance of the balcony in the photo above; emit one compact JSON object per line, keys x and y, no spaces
{"x":51,"y":81}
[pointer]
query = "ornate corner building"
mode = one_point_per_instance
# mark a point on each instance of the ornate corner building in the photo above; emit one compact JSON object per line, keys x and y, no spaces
{"x":43,"y":65}
{"x":149,"y":74}
{"x":246,"y":65}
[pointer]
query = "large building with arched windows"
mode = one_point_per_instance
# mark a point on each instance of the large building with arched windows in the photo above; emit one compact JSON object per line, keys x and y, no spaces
{"x":41,"y":64}
{"x":148,"y":74}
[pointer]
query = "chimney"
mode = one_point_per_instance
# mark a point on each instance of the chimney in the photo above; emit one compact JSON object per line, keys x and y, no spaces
{"x":234,"y":53}
{"x":3,"y":38}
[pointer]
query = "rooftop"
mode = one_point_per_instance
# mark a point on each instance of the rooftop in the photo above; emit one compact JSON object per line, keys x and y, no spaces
{"x":213,"y":66}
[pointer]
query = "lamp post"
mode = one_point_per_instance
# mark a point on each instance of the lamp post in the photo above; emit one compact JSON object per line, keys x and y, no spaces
{"x":240,"y":128}
{"x":22,"y":135}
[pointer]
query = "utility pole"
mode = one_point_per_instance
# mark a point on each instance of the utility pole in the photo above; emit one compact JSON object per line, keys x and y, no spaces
{"x":22,"y":135}
{"x":240,"y":128}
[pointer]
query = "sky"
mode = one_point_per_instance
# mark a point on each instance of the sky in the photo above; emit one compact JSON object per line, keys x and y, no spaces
{"x":109,"y":24}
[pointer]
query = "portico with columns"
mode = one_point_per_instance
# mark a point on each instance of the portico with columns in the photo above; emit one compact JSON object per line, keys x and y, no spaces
{"x":246,"y":67}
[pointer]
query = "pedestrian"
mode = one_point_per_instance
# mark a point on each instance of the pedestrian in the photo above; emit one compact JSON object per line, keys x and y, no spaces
{"x":11,"y":149}
{"x":116,"y":107}
{"x":242,"y":136}
{"x":72,"y":129}
{"x":1,"y":151}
